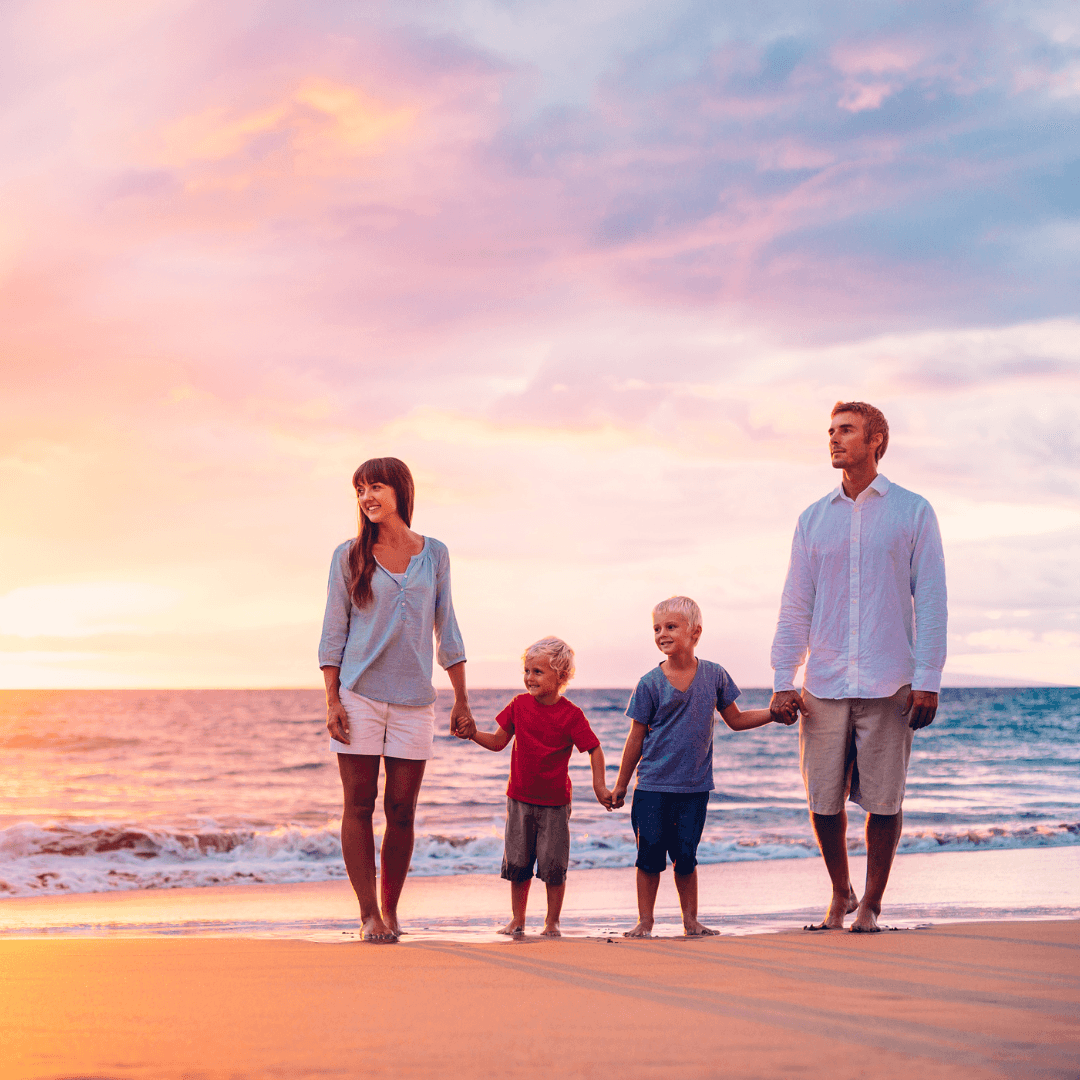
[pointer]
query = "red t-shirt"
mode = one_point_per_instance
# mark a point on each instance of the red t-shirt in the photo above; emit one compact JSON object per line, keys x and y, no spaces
{"x":544,"y":735}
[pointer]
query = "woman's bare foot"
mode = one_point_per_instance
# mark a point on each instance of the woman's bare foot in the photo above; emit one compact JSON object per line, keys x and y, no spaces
{"x":376,"y":931}
{"x":643,"y":929}
{"x":514,"y":926}
{"x":551,"y":930}
{"x":393,"y":925}
{"x":692,"y":928}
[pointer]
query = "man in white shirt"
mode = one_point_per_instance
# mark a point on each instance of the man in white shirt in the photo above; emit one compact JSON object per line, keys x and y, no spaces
{"x":865,"y":598}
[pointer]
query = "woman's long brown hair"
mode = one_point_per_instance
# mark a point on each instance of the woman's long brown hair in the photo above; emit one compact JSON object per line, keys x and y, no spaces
{"x":395,"y":474}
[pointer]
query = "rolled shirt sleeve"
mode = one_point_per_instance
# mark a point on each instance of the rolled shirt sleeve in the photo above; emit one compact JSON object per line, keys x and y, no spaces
{"x":451,"y":647}
{"x":792,"y":637}
{"x":931,"y":602}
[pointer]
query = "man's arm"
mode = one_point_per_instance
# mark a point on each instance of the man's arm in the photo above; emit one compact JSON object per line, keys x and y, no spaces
{"x":792,"y":637}
{"x":631,"y":755}
{"x":931,"y":619}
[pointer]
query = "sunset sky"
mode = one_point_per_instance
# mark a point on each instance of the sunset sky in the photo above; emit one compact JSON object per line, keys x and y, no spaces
{"x":596,"y":271}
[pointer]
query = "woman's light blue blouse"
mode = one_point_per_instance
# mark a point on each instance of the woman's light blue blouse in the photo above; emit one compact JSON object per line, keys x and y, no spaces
{"x":384,"y":649}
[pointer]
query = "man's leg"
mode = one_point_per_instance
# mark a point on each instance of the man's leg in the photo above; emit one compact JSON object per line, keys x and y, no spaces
{"x":882,"y":837}
{"x":825,"y":745}
{"x":831,"y":833}
{"x":883,"y":738}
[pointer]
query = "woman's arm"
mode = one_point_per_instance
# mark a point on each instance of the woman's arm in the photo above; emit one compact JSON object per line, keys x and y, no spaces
{"x":631,"y":755}
{"x":337,"y":720}
{"x":460,"y":711}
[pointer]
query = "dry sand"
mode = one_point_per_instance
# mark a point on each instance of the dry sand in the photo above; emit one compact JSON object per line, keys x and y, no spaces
{"x":962,"y":1000}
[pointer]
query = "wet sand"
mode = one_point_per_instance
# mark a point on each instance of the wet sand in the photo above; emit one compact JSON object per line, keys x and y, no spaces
{"x":961,"y":1000}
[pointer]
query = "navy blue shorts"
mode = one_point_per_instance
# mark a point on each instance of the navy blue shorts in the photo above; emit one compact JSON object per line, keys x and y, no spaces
{"x":668,"y":823}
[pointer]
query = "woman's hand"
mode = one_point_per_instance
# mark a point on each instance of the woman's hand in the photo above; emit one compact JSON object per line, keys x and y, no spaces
{"x":337,"y":722}
{"x":460,"y":713}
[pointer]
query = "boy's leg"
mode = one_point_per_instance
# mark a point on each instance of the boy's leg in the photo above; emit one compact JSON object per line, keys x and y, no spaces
{"x":552,"y":860}
{"x":519,"y":855}
{"x":646,"y":818}
{"x":647,"y":886}
{"x":555,"y":894}
{"x":688,"y":813}
{"x":519,"y":900}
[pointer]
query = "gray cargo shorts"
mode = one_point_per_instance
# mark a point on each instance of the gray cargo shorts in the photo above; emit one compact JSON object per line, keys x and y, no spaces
{"x":537,"y":835}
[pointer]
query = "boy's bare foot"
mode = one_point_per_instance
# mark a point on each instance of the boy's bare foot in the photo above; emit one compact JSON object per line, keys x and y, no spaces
{"x":693,"y":928}
{"x":376,"y":931}
{"x":551,"y":930}
{"x":643,"y":929}
{"x":514,"y":926}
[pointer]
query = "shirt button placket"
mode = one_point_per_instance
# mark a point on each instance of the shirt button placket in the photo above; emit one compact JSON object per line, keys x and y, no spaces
{"x":853,"y":593}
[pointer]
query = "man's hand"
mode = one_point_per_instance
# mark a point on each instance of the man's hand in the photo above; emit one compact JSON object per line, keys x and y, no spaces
{"x":618,"y":796}
{"x":783,"y":706}
{"x":921,"y":705}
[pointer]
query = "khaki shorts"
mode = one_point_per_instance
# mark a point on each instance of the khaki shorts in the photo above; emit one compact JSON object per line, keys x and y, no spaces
{"x":856,"y":748}
{"x":383,"y":729}
{"x":537,"y":835}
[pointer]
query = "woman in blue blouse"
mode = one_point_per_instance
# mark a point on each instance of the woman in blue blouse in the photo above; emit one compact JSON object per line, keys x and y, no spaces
{"x":389,"y":592}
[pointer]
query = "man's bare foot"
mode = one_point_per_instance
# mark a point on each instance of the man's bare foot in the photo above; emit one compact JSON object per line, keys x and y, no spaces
{"x":643,"y":929}
{"x":514,"y":926}
{"x":866,"y":922}
{"x":692,"y":928}
{"x":551,"y":930}
{"x":376,"y":931}
{"x":839,"y":906}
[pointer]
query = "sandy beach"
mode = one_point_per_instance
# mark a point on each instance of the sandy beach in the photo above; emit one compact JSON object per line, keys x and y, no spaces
{"x":270,"y":981}
{"x":963,"y":1000}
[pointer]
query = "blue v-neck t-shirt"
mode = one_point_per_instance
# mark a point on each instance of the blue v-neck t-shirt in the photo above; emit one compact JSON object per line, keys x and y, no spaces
{"x":676,"y":754}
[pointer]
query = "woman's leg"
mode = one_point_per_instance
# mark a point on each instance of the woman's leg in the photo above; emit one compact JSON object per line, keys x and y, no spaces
{"x":360,"y":782}
{"x":402,"y":789}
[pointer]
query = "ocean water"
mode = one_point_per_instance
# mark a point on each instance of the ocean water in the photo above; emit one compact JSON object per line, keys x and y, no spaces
{"x":132,"y":789}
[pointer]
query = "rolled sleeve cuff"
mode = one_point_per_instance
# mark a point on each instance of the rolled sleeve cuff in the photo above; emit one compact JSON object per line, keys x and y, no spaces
{"x":331,"y":659}
{"x":446,"y":664}
{"x":928,"y":679}
{"x":784,"y":679}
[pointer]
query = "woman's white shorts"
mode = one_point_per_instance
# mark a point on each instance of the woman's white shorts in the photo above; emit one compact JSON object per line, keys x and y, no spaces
{"x":378,"y":727}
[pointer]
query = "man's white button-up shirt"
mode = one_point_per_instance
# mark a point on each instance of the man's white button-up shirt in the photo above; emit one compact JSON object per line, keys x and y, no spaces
{"x":864,"y":596}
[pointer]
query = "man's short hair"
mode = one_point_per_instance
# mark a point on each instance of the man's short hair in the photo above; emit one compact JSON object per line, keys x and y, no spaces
{"x":559,"y":655}
{"x":680,"y":605}
{"x":876,"y":424}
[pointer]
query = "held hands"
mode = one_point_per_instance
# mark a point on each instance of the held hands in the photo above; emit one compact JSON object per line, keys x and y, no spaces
{"x":337,"y":722}
{"x":618,"y":796}
{"x":785,"y":706}
{"x":459,"y":717}
{"x":921,"y":705}
{"x":603,"y":797}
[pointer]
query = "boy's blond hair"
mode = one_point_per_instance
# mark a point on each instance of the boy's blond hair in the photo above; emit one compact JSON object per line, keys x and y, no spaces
{"x":680,"y":605}
{"x":559,"y":655}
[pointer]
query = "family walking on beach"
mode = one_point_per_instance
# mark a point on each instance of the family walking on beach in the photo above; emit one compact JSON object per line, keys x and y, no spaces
{"x":863,"y":606}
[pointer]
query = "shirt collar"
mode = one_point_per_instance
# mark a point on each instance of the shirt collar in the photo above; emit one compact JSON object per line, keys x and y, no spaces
{"x":879,"y":485}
